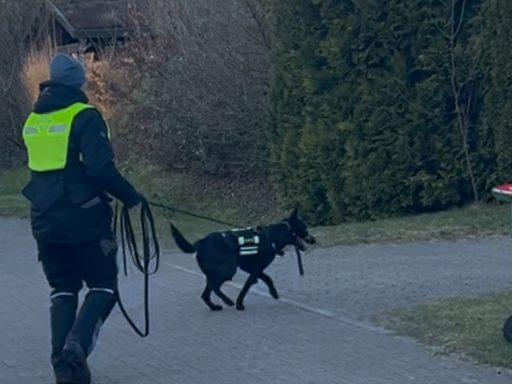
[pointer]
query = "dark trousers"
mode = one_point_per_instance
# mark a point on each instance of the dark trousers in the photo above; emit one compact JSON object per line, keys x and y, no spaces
{"x":67,"y":267}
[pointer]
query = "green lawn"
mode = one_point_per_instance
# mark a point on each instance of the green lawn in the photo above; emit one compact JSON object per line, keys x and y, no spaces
{"x":477,"y":220}
{"x":245,"y":206}
{"x":12,"y":204}
{"x":470,"y":328}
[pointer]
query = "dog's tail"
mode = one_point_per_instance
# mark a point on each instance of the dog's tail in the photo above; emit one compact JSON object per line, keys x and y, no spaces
{"x":181,"y":242}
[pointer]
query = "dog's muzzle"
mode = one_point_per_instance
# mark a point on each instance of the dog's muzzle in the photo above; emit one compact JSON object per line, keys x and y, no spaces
{"x":308,"y":239}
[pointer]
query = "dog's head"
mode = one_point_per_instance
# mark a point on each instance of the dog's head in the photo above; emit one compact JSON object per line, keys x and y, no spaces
{"x":299,"y":230}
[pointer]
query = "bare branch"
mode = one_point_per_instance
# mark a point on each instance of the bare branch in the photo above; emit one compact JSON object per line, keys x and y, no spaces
{"x":461,"y":112}
{"x":212,"y":86}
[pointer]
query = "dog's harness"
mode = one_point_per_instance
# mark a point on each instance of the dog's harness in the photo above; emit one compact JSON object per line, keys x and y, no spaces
{"x":248,"y":241}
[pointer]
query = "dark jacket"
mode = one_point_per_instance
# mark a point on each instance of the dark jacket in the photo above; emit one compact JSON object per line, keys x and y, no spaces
{"x":72,"y":205}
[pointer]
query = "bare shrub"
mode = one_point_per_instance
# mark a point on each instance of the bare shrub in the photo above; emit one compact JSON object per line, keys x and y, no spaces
{"x":22,"y":23}
{"x":202,"y":74}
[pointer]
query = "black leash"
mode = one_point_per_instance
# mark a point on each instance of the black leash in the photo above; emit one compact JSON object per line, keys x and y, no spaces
{"x":191,"y":214}
{"x":299,"y":260}
{"x":142,"y":261}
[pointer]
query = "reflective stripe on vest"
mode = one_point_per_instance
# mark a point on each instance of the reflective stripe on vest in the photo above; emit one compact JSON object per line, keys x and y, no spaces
{"x":46,"y":137}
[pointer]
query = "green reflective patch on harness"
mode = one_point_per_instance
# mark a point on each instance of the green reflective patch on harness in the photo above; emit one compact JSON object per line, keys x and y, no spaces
{"x":248,"y":241}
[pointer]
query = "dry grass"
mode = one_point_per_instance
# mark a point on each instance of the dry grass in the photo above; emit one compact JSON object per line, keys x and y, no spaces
{"x":100,"y":87}
{"x":35,"y":69}
{"x":99,"y":74}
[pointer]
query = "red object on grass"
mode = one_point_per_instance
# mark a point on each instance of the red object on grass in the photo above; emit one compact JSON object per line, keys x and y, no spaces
{"x":503,"y":192}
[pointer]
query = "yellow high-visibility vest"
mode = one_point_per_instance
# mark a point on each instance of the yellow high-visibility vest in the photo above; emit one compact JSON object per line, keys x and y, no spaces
{"x":46,"y":137}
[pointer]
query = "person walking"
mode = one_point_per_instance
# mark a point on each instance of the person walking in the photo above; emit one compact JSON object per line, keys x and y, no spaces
{"x":73,"y":175}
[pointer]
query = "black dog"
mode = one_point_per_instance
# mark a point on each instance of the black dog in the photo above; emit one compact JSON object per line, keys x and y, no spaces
{"x":220,"y":253}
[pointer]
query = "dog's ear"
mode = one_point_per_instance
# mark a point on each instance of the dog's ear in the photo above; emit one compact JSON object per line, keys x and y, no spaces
{"x":295,"y":214}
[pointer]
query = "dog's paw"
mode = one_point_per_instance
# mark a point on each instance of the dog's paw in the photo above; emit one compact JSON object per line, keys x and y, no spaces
{"x":240,"y":307}
{"x":216,"y":308}
{"x":274,"y":294}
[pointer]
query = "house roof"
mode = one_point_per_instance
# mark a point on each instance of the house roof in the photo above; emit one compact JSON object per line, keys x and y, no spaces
{"x":95,"y":18}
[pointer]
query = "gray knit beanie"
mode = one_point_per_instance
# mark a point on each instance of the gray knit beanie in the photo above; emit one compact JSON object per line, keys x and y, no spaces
{"x":66,"y":70}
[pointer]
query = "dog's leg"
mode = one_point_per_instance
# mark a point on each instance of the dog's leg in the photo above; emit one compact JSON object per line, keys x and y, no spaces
{"x":270,"y":284}
{"x":253,"y":277}
{"x":222,"y":296}
{"x":206,"y":296}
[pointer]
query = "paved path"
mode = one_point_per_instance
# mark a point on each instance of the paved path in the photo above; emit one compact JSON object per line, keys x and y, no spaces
{"x":359,"y":281}
{"x":319,"y":333}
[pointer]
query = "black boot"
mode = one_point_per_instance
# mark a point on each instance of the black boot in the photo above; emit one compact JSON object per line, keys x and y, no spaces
{"x":81,"y":339}
{"x":94,"y":311}
{"x":62,"y":317}
{"x":63,"y":371}
{"x":74,"y":358}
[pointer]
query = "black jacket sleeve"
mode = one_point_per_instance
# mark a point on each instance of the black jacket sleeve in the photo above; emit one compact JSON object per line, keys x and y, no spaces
{"x":91,"y":133}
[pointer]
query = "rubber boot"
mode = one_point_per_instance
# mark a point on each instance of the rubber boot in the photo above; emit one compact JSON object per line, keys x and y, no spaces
{"x":95,"y":310}
{"x":62,"y":316}
{"x":75,"y":358}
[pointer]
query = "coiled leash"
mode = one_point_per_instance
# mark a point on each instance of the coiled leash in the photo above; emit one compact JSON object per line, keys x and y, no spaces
{"x":146,"y":260}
